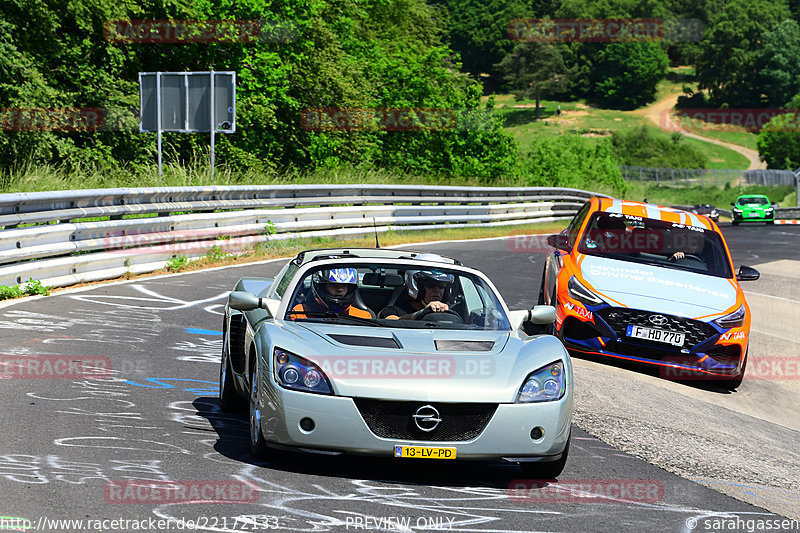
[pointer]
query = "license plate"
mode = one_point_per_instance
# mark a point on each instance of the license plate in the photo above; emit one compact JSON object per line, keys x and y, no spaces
{"x":424,"y":452}
{"x":657,"y":335}
{"x":753,"y":215}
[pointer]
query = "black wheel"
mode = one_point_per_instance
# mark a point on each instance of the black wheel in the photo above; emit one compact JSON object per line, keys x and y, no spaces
{"x":258,"y":445}
{"x":229,"y":399}
{"x":734,"y":383}
{"x":540,"y":301}
{"x":549,"y":470}
{"x":734,"y":222}
{"x":551,"y":328}
{"x":770,"y":222}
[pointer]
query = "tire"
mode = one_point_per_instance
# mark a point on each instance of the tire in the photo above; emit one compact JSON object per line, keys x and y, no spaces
{"x":732,"y":384}
{"x":258,"y":446}
{"x":770,"y":222}
{"x":540,"y":301}
{"x":734,"y":222}
{"x":551,"y":328}
{"x":229,"y":399}
{"x":549,"y":470}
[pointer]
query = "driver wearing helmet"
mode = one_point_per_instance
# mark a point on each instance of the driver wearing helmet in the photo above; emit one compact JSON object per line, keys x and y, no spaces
{"x":425,"y":289}
{"x":333,"y":291}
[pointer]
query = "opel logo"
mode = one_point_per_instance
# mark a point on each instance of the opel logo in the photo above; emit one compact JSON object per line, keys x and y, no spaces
{"x":426,"y":418}
{"x":658,"y":320}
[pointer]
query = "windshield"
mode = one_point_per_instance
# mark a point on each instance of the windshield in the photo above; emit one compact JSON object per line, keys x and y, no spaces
{"x":402,"y":296}
{"x":752,"y":200}
{"x":655,"y":242}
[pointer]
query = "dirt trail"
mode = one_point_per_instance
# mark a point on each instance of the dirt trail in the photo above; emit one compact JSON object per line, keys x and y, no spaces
{"x":660,"y":113}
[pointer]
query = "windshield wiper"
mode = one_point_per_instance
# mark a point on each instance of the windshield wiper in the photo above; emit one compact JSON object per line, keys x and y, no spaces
{"x":332,"y":315}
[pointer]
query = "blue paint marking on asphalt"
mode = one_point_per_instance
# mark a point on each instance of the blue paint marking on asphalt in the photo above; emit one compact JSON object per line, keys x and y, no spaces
{"x":158,"y":383}
{"x":198,"y":331}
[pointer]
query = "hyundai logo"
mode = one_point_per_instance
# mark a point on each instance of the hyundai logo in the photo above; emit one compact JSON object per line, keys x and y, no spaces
{"x":658,"y":320}
{"x":426,"y":418}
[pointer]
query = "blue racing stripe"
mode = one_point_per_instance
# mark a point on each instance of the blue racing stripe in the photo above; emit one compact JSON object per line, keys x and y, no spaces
{"x":197,"y":331}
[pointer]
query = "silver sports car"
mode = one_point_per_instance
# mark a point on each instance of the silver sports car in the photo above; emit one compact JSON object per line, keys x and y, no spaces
{"x":397,"y":354}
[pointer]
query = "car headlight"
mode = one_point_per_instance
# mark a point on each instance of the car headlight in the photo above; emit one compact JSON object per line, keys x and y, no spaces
{"x":577,"y":291}
{"x":768,"y":210}
{"x":732,"y":320}
{"x":295,"y":373}
{"x":714,"y":213}
{"x":545,"y":385}
{"x":737,"y":209}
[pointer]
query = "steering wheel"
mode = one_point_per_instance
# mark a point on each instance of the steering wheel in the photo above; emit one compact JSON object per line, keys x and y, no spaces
{"x":692,"y":256}
{"x":439,"y":316}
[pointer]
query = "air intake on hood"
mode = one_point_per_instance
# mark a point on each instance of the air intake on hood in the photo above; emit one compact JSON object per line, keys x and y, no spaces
{"x":360,"y":340}
{"x":463,"y":346}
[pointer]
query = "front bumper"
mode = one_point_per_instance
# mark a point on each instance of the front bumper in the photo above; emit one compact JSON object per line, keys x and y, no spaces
{"x":750,"y":216}
{"x":605,"y":335}
{"x":340,"y":427}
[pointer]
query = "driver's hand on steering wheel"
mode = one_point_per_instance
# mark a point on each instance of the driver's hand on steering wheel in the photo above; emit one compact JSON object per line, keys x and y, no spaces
{"x":437,"y":307}
{"x":677,"y":256}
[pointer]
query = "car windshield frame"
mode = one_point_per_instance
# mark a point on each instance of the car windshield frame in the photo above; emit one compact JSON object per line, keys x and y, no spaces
{"x":468,"y":288}
{"x":760,"y":200}
{"x":656,"y":244}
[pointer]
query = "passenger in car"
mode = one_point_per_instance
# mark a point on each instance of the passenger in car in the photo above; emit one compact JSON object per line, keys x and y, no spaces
{"x":332,"y":291}
{"x":426,"y":289}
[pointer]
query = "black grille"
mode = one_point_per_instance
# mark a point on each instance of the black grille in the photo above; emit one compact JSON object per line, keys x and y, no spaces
{"x":446,"y":345}
{"x":237,"y":337}
{"x":360,"y":340}
{"x":393,"y":420}
{"x":649,"y":352}
{"x":726,"y":355}
{"x":618,"y":319}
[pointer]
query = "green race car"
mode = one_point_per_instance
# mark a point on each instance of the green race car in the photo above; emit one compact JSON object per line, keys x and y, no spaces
{"x":752,"y":208}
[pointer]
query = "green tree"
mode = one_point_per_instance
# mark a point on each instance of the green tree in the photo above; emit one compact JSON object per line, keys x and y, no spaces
{"x":780,"y":63}
{"x":729,"y":64}
{"x":626,"y":74}
{"x":779,"y":142}
{"x":533,"y":68}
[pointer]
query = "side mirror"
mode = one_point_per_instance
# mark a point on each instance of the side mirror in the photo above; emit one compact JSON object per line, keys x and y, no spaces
{"x":733,"y":203}
{"x":560,"y":242}
{"x":747,"y":273}
{"x":543,"y":314}
{"x":534,"y":321}
{"x":243,"y":301}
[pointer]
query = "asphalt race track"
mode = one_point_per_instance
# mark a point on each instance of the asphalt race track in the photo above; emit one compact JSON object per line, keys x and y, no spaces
{"x":70,"y":448}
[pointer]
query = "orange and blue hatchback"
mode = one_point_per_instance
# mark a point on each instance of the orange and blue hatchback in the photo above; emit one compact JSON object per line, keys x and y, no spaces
{"x":649,"y":284}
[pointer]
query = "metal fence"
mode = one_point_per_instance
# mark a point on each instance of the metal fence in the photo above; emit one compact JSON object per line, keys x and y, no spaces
{"x":709,"y":177}
{"x":770,"y":177}
{"x":67,"y":237}
{"x":683,"y":177}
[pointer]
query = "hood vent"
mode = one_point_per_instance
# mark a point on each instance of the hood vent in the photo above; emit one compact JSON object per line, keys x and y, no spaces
{"x":463,"y":346}
{"x":360,"y":340}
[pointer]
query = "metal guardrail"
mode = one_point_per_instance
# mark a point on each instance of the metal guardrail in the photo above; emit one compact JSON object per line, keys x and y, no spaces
{"x":45,"y":235}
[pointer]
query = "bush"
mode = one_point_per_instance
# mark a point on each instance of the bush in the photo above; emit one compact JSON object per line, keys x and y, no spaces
{"x":641,"y":147}
{"x":572,"y":161}
{"x":779,"y":142}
